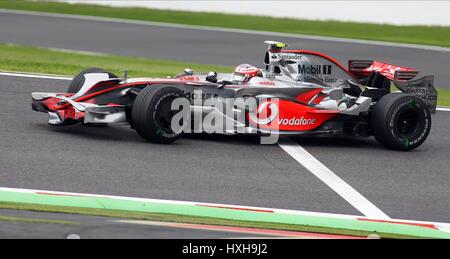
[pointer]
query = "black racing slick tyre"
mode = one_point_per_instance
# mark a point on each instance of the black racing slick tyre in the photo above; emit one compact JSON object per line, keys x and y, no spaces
{"x":152,"y":115}
{"x":78,"y":80}
{"x":400,"y":121}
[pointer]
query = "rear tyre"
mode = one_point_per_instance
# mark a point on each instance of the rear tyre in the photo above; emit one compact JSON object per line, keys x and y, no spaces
{"x":78,"y":80}
{"x":151,"y":113}
{"x":400,"y":121}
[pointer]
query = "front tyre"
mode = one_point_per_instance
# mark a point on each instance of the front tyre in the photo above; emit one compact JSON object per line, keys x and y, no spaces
{"x":152,"y":115}
{"x":400,"y":121}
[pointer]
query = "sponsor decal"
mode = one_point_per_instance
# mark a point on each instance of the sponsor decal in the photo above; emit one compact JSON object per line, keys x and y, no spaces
{"x":387,"y":70}
{"x":286,"y":56}
{"x":296,"y":121}
{"x":265,"y":114}
{"x":314,"y":69}
{"x":199,"y":95}
{"x":246,"y":68}
{"x":266,"y":83}
{"x":329,"y":80}
{"x":384,"y":69}
{"x":189,"y":78}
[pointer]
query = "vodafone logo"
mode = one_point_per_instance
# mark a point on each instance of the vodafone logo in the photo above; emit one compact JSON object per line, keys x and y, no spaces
{"x":265,"y":114}
{"x":297,"y":122}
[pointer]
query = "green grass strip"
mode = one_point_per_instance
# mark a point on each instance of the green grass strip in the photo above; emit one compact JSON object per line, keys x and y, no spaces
{"x":428,"y":35}
{"x":443,"y":97}
{"x":41,"y":60}
{"x":208,"y":215}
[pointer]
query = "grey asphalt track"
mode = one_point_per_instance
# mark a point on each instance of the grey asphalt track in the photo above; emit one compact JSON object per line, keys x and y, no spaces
{"x":210,"y":47}
{"x":234,"y":170}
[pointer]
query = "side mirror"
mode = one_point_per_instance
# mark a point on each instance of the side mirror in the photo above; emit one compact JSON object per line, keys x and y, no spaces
{"x":125,"y":75}
{"x":224,"y":83}
{"x":212,"y":77}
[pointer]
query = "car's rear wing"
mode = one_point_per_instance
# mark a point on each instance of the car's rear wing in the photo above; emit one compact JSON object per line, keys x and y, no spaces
{"x":406,"y":79}
{"x":363,"y":68}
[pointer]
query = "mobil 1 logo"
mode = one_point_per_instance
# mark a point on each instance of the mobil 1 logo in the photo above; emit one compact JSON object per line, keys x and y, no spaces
{"x":314,"y":69}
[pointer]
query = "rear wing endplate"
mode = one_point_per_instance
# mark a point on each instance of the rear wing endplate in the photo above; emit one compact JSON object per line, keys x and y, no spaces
{"x":422,"y":87}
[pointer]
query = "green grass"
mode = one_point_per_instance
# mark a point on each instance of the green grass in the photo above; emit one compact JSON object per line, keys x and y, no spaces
{"x":429,"y":35}
{"x":40,"y":60}
{"x":443,"y":97}
{"x":187,"y":219}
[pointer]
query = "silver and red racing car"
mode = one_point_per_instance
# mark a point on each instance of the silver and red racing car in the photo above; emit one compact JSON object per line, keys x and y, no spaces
{"x":296,"y":93}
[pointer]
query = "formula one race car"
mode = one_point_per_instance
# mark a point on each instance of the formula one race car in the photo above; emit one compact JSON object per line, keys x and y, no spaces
{"x":297,"y":93}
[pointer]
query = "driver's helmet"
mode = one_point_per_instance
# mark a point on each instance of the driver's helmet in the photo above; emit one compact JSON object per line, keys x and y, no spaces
{"x":245,"y":72}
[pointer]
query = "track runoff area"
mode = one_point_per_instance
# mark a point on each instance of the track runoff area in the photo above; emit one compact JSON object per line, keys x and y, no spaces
{"x":370,"y":211}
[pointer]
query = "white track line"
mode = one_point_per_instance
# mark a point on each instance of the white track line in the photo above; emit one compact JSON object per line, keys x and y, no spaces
{"x":332,"y":180}
{"x":35,"y":76}
{"x":445,"y":109}
{"x":219,"y":29}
